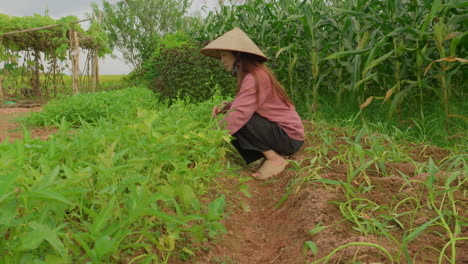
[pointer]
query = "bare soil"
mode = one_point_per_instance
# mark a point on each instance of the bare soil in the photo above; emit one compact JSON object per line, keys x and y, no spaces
{"x":12,"y":129}
{"x":266,"y":229}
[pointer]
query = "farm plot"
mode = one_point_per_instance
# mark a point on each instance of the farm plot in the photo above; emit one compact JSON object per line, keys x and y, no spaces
{"x":350,"y":197}
{"x":146,"y":182}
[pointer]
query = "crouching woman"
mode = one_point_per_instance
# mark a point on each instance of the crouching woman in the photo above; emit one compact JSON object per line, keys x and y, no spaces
{"x":261,"y":118}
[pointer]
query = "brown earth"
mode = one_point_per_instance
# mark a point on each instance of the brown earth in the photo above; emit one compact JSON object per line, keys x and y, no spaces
{"x":11,"y":128}
{"x":266,"y":229}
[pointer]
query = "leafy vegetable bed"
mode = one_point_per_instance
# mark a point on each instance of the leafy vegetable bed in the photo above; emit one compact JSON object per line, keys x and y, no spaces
{"x":132,"y":185}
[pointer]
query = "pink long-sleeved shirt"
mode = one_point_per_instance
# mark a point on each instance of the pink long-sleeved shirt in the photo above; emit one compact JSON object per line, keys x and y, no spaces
{"x":269,"y":106}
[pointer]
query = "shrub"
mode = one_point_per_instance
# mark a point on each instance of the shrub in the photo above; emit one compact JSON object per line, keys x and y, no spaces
{"x":184,"y":72}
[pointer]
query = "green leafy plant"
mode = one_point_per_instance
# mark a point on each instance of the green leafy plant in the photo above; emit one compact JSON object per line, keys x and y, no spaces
{"x":91,"y":108}
{"x":109,"y":191}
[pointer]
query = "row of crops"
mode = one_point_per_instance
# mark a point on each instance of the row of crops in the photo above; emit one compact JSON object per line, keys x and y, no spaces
{"x":129,"y":185}
{"x":408,"y":201}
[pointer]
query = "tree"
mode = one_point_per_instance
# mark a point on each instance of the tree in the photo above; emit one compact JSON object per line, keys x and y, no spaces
{"x":135,"y":26}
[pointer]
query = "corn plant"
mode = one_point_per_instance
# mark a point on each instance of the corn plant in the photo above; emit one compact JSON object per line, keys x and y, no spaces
{"x":359,"y":53}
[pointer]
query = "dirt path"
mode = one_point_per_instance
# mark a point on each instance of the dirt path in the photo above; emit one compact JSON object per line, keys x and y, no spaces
{"x":266,"y":229}
{"x":258,"y":232}
{"x":9,"y":126}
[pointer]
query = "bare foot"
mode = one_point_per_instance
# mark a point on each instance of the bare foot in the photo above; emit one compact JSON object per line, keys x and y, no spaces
{"x":275,"y":162}
{"x":270,"y":169}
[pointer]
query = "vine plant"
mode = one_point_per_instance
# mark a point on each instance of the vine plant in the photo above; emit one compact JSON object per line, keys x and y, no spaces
{"x":45,"y":46}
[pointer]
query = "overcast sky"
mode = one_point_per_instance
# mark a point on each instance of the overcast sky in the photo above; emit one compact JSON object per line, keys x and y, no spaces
{"x":60,"y":8}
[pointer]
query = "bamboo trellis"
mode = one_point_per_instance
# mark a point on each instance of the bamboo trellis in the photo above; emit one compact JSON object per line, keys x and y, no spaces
{"x":37,"y":40}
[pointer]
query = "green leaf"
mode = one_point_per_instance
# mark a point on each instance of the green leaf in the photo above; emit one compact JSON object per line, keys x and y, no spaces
{"x":32,"y":240}
{"x":283,"y":198}
{"x":52,"y":259}
{"x":360,"y":82}
{"x":216,"y":227}
{"x":185,"y":194}
{"x":48,"y":194}
{"x":245,"y":190}
{"x":317,"y":229}
{"x":166,"y":219}
{"x":104,"y":245}
{"x":6,"y":181}
{"x":216,"y":209}
{"x":374,"y":18}
{"x":328,"y":181}
{"x":51,"y":177}
{"x":283,"y":49}
{"x":429,"y":18}
{"x":416,"y":232}
{"x":376,"y":62}
{"x":338,"y":55}
{"x":294,"y":17}
{"x":41,"y":232}
{"x":244,"y":179}
{"x":101,"y":219}
{"x":311,"y":246}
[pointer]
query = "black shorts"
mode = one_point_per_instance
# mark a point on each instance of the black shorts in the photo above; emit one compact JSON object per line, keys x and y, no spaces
{"x":259,"y":135}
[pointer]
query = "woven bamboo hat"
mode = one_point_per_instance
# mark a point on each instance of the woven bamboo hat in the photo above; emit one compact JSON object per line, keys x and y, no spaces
{"x":234,"y":40}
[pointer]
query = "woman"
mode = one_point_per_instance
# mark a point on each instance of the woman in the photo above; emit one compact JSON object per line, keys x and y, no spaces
{"x":262,"y":119}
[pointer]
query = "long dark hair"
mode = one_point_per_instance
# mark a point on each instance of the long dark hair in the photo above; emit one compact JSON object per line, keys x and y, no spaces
{"x":249,"y":63}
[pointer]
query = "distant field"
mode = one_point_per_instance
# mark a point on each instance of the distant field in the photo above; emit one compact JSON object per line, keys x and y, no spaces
{"x":106,"y":82}
{"x":14,"y":87}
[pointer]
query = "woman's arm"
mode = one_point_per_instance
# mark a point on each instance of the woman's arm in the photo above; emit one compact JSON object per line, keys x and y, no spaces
{"x":243,"y":107}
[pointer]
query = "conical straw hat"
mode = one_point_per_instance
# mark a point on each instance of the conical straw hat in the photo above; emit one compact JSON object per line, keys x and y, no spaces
{"x":234,"y":40}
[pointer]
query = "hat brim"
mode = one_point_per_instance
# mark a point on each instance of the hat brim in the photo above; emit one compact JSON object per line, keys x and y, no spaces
{"x":216,"y":53}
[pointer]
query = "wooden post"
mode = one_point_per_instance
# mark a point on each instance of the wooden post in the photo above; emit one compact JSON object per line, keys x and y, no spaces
{"x":36,"y":79}
{"x":54,"y":74}
{"x":75,"y":57}
{"x":94,"y":76}
{"x":1,"y":89}
{"x":95,"y":63}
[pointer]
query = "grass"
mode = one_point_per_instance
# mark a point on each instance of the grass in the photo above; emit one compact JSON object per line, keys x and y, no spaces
{"x":428,"y":128}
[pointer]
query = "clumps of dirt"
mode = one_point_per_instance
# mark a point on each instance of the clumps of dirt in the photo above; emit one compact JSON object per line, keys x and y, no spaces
{"x":11,"y":129}
{"x":424,"y":153}
{"x":274,"y":224}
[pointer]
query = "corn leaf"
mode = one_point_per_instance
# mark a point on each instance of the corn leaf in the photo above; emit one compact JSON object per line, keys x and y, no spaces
{"x":338,"y":55}
{"x":377,"y":62}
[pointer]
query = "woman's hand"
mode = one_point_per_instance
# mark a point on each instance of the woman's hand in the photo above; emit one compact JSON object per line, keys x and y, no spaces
{"x":220,"y":109}
{"x":216,"y":111}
